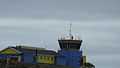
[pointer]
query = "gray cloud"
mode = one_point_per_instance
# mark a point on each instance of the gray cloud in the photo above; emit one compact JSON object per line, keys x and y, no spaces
{"x":68,"y":10}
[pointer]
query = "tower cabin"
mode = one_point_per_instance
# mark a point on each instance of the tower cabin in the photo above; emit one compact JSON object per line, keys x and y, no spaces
{"x":70,"y":43}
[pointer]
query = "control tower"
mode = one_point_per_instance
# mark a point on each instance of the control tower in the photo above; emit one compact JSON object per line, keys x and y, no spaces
{"x":69,"y":53}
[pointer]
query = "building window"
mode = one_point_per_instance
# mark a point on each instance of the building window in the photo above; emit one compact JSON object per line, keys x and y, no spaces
{"x":44,"y":57}
{"x":47,"y":58}
{"x":34,"y":58}
{"x":51,"y":58}
{"x":41,"y":57}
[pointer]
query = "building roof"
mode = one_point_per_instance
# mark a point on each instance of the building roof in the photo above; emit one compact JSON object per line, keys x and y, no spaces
{"x":10,"y":51}
{"x":34,"y":50}
{"x":50,"y":52}
{"x":27,"y":49}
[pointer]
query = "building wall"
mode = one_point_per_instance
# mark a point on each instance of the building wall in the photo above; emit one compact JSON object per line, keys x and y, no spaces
{"x":61,"y":60}
{"x":69,"y":58}
{"x":44,"y":58}
{"x":10,"y":58}
{"x":28,"y":58}
{"x":3,"y":58}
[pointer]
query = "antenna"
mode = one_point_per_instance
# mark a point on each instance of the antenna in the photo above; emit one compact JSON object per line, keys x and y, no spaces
{"x":70,"y":30}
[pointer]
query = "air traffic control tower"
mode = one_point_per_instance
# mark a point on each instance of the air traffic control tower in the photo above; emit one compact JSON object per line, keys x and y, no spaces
{"x":70,"y":53}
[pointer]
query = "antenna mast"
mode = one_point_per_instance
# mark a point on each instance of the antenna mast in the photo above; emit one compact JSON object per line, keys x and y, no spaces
{"x":70,"y":29}
{"x":70,"y":34}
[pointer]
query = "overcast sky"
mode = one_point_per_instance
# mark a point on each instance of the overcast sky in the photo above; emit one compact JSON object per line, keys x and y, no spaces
{"x":40,"y":22}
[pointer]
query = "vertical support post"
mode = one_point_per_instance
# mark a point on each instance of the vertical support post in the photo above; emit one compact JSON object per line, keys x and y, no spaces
{"x":84,"y":59}
{"x":19,"y":59}
{"x":7,"y":62}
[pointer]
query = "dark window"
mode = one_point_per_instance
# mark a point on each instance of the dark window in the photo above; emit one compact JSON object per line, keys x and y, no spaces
{"x":44,"y":57}
{"x":48,"y":58}
{"x":51,"y":58}
{"x":41,"y":57}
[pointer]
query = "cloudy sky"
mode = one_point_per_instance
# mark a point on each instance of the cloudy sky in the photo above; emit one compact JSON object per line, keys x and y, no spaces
{"x":40,"y":22}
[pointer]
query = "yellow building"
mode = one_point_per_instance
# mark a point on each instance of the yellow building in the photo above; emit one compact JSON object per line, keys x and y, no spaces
{"x":46,"y":57}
